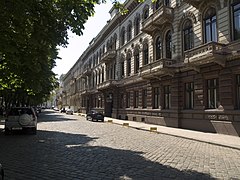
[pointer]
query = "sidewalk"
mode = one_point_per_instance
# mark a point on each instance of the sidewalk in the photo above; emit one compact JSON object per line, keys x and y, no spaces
{"x":211,"y":138}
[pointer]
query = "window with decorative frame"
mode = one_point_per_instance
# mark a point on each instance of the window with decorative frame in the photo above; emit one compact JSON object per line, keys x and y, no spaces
{"x":167,"y":97}
{"x":137,"y":25}
{"x":156,"y":97}
{"x":102,"y":74}
{"x":158,"y":48}
{"x":210,"y":25}
{"x":212,"y":93}
{"x":168,"y":44}
{"x":144,"y":98}
{"x":238,"y":91}
{"x":129,"y":32}
{"x":122,"y":69}
{"x":121,"y":105}
{"x":123,"y":36}
{"x":128,"y":95}
{"x":145,"y":12}
{"x":136,"y":60}
{"x":136,"y":99}
{"x":189,"y":95}
{"x":167,"y":3}
{"x":129,"y":65}
{"x":188,"y":38}
{"x":157,"y":4}
{"x":145,"y":54}
{"x":235,"y":11}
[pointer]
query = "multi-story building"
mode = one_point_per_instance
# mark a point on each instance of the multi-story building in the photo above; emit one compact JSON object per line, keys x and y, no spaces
{"x":172,"y":62}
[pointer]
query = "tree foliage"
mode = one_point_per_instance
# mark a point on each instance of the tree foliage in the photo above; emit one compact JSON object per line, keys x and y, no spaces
{"x":30,"y":32}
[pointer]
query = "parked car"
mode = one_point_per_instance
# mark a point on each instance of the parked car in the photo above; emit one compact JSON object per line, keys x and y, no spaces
{"x":1,"y":172}
{"x":95,"y":115}
{"x":21,"y":118}
{"x":63,"y":110}
{"x":69,"y":111}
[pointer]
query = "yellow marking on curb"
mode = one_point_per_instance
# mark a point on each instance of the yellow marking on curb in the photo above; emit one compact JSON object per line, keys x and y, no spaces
{"x":110,"y":121}
{"x":125,"y":124}
{"x":153,"y":129}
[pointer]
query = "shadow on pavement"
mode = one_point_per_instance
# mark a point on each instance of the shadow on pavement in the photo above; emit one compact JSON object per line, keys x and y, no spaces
{"x":58,"y":155}
{"x":50,"y":115}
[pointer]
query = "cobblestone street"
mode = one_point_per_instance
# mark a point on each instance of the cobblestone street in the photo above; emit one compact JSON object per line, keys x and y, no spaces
{"x":69,"y":147}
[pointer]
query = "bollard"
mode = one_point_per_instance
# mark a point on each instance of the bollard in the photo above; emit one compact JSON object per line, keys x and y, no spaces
{"x":110,"y":121}
{"x":153,"y":129}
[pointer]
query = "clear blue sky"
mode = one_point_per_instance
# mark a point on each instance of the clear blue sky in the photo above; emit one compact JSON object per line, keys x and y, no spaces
{"x":77,"y":44}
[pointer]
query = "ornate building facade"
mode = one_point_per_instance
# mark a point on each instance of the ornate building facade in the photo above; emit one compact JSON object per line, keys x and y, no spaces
{"x":174,"y":63}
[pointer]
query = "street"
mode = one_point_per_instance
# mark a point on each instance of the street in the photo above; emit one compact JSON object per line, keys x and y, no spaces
{"x":70,"y":147}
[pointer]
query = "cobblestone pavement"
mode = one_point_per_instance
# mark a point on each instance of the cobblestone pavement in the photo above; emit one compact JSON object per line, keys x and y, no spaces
{"x":69,"y":147}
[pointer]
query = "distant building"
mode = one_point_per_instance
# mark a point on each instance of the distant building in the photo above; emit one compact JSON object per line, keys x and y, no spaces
{"x":174,"y":63}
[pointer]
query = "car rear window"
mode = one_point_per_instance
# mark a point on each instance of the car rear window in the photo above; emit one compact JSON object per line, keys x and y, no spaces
{"x":20,"y":111}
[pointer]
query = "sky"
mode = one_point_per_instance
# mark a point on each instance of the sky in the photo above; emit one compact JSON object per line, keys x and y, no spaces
{"x":78,"y":44}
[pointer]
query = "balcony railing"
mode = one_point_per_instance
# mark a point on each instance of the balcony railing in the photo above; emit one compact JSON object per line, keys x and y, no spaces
{"x":108,"y":56}
{"x":160,"y":67}
{"x":211,"y":52}
{"x":159,"y":17}
{"x":107,"y":84}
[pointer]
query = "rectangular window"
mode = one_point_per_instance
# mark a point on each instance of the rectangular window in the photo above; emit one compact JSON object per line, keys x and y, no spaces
{"x":238,"y":91}
{"x":236,"y":21}
{"x":156,"y":97}
{"x":144,"y":98}
{"x":136,"y":99}
{"x":189,"y":95}
{"x":121,"y":100}
{"x":167,"y":97}
{"x":128,"y":100}
{"x":212,"y":94}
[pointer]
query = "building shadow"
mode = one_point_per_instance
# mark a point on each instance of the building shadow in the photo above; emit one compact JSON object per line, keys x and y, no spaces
{"x":58,"y":155}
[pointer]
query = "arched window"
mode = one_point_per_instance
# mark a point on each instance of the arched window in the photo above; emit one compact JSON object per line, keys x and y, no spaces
{"x":103,"y":50}
{"x":145,"y":12}
{"x":157,"y":4}
{"x":210,"y":25}
{"x":137,"y":25}
{"x":169,"y":45}
{"x":129,"y":32}
{"x":102,"y":74}
{"x":158,"y":48}
{"x":145,"y":54}
{"x":122,"y":68}
{"x":167,"y":3}
{"x":123,"y":36}
{"x":128,"y":64}
{"x":187,"y":35}
{"x":136,"y":60}
{"x":235,"y":11}
{"x":97,"y":59}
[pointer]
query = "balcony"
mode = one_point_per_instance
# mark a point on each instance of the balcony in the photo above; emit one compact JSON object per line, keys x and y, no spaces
{"x":87,"y":72}
{"x":108,"y":56}
{"x":211,"y":52}
{"x":111,"y":83}
{"x":159,"y":17}
{"x":234,"y":50}
{"x":194,"y":3}
{"x":157,"y":69}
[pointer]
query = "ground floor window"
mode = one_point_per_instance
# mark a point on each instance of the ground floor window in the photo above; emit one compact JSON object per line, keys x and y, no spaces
{"x":238,"y":91}
{"x":212,"y":93}
{"x":156,"y":97}
{"x":136,"y":99}
{"x":144,"y":98}
{"x":167,"y":97}
{"x":128,"y":100}
{"x":121,"y":104}
{"x":189,"y":95}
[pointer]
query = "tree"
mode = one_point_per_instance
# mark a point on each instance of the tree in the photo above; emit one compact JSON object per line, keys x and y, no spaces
{"x":30,"y":32}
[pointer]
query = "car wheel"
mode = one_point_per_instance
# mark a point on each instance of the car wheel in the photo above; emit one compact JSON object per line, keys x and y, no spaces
{"x":6,"y":131}
{"x":89,"y":118}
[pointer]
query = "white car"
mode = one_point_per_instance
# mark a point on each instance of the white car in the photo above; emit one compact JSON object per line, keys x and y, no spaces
{"x":69,"y":111}
{"x":21,"y":118}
